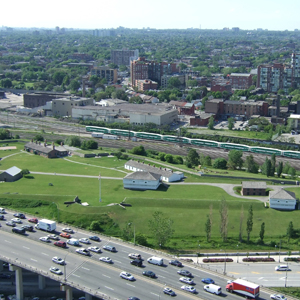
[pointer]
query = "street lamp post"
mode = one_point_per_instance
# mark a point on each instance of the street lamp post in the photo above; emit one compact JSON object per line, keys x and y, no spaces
{"x":198,"y":253}
{"x":279,"y":250}
{"x":237,"y":253}
{"x":129,"y":224}
{"x":286,"y":275}
{"x":224,"y":272}
{"x":65,"y":266}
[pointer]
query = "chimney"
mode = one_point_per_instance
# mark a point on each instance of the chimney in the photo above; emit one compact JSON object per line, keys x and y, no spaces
{"x":160,"y":168}
{"x":61,"y":143}
{"x":53,"y":146}
{"x":278,"y":106}
{"x":31,"y":140}
{"x":45,"y":144}
{"x":165,"y":169}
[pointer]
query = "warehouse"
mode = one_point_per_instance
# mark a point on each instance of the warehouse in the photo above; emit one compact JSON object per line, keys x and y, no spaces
{"x":142,"y":181}
{"x":10,"y":175}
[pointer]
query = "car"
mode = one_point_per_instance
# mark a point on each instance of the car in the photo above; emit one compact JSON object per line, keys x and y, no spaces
{"x":188,"y":288}
{"x":169,"y":291}
{"x":208,"y":281}
{"x":45,"y":239}
{"x":133,"y":298}
{"x":53,"y":237}
{"x":10,"y":223}
{"x":176,"y":263}
{"x":149,"y":274}
{"x":61,"y":244}
{"x":5,"y":276}
{"x":55,"y":270}
{"x":95,"y":238}
{"x":134,"y":256}
{"x":109,"y":248}
{"x":19,"y":215}
{"x":27,"y":227}
{"x":2,"y":217}
{"x":185,"y":273}
{"x":230,"y":281}
{"x":68,"y":230}
{"x":282,"y":268}
{"x":84,"y":240}
{"x":106,"y":259}
{"x":277,"y":297}
{"x":33,"y":220}
{"x":127,"y":276}
{"x":65,"y":235}
{"x":94,"y":249}
{"x":83,"y":251}
{"x":187,"y":280}
{"x":17,"y":220}
{"x":58,"y":260}
{"x":137,"y":262}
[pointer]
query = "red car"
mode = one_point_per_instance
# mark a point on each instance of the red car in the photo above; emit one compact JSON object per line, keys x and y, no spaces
{"x":33,"y":220}
{"x":61,"y":244}
{"x":65,"y":235}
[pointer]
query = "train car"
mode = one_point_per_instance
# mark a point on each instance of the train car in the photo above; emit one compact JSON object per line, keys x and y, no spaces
{"x":204,"y":143}
{"x":291,"y":154}
{"x":229,"y":146}
{"x":148,"y":136}
{"x":121,"y":132}
{"x":175,"y":139}
{"x":268,"y":151}
{"x":97,"y":129}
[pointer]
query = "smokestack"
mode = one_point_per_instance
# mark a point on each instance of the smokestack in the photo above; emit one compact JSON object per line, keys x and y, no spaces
{"x":278,"y":106}
{"x":83,"y":87}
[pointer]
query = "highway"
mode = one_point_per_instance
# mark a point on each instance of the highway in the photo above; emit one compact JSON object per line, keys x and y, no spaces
{"x":95,"y":275}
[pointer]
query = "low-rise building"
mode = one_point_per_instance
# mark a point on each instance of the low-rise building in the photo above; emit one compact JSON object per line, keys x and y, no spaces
{"x":142,"y":181}
{"x":282,"y":200}
{"x":48,"y":151}
{"x":111,"y":75}
{"x":146,"y":84}
{"x":240,"y":80}
{"x":257,"y":188}
{"x":10,"y":175}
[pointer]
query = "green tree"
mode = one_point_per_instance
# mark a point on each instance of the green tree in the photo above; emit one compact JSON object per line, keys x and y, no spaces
{"x":127,"y":232}
{"x":58,"y":77}
{"x":74,"y":85}
{"x":220,"y":163}
{"x":249,"y":222}
{"x":211,"y":123}
{"x":162,"y":228}
{"x":141,"y":239}
{"x":73,"y":141}
{"x":174,"y":82}
{"x":223,"y":220}
{"x":139,"y":150}
{"x":207,"y":161}
{"x":161,"y":156}
{"x":230,"y":123}
{"x":25,"y":172}
{"x":4,"y":134}
{"x":266,"y":167}
{"x":286,"y":168}
{"x":279,"y":168}
{"x":169,"y":158}
{"x":250,"y":165}
{"x":192,"y":158}
{"x":292,"y":172}
{"x":208,"y":228}
{"x":262,"y":232}
{"x":273,"y":164}
{"x":6,"y":83}
{"x":290,"y":231}
{"x":39,"y":138}
{"x":235,"y":159}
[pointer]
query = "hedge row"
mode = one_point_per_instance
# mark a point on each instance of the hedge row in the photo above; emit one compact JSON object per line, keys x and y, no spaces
{"x":258,"y":259}
{"x":292,"y":259}
{"x":215,"y":260}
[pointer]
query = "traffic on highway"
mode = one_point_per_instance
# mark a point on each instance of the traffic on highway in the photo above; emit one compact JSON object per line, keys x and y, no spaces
{"x":118,"y":269}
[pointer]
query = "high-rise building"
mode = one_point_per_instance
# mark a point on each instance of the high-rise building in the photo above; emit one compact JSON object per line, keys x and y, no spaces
{"x":124,"y":56}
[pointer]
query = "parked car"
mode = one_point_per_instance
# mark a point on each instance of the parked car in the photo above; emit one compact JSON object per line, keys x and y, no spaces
{"x":61,"y":244}
{"x":45,"y":239}
{"x":176,"y":263}
{"x":68,"y":230}
{"x":109,"y":248}
{"x":33,"y":220}
{"x":188,"y":288}
{"x":94,"y":249}
{"x":65,"y":235}
{"x":149,"y":274}
{"x":95,"y":238}
{"x":55,"y":270}
{"x":28,"y":227}
{"x":58,"y":260}
{"x":127,"y":276}
{"x":208,"y":281}
{"x":83,"y":251}
{"x":84,"y":240}
{"x":277,"y":297}
{"x":19,"y":215}
{"x":187,"y":280}
{"x":106,"y":259}
{"x":185,"y":273}
{"x":169,"y":291}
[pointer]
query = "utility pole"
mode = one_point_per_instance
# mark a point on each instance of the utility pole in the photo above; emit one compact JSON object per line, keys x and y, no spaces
{"x":99,"y":187}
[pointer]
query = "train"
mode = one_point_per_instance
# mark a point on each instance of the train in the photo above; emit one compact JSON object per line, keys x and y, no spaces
{"x":196,"y":142}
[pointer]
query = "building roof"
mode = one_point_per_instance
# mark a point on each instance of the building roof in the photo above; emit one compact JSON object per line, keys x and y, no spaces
{"x":44,"y":148}
{"x":254,"y":185}
{"x":143,"y":176}
{"x":150,"y":168}
{"x":240,"y":74}
{"x":282,"y":194}
{"x":13,"y":171}
{"x":294,"y":116}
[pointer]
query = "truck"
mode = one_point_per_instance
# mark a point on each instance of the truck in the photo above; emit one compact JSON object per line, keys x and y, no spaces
{"x":244,"y":288}
{"x":97,"y":134}
{"x":73,"y":242}
{"x":46,"y":225}
{"x":155,"y":261}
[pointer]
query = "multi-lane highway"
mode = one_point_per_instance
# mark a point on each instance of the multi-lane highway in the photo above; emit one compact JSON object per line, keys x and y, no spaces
{"x":94,"y":275}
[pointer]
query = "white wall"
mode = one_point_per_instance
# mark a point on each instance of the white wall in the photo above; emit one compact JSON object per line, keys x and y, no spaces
{"x":282,"y":204}
{"x":140,"y":184}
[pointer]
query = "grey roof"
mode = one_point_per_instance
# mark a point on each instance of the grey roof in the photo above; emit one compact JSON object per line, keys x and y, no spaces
{"x":282,"y":194}
{"x":240,"y":74}
{"x":254,"y":185}
{"x":43,"y":147}
{"x":149,"y":168}
{"x":143,"y":175}
{"x":13,"y":171}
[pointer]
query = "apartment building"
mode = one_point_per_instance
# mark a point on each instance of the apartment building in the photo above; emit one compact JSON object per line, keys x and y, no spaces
{"x":146,"y":84}
{"x":240,"y":80}
{"x":124,"y":56}
{"x":111,"y":75}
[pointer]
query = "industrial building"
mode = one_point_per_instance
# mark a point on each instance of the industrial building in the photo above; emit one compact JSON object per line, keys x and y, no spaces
{"x":142,"y":181}
{"x":10,"y":175}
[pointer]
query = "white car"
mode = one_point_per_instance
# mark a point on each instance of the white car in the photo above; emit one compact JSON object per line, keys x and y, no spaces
{"x":56,"y":271}
{"x":53,"y":236}
{"x":85,"y":241}
{"x":277,"y":297}
{"x":16,"y":220}
{"x":134,"y":256}
{"x":83,"y":251}
{"x":68,"y":230}
{"x":190,"y":289}
{"x":58,"y":260}
{"x":106,"y":259}
{"x":186,"y":280}
{"x":45,"y":239}
{"x":94,"y":249}
{"x":127,"y":276}
{"x":282,"y":268}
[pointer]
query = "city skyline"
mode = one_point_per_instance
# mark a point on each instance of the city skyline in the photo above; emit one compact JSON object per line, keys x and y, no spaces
{"x":167,"y":14}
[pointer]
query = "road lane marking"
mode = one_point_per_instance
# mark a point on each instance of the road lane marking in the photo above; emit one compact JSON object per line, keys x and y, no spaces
{"x":260,"y":278}
{"x":164,"y":271}
{"x":161,"y":276}
{"x":45,"y":254}
{"x":118,"y":261}
{"x":124,"y":251}
{"x":76,"y":275}
{"x":109,"y":288}
{"x":255,"y":272}
{"x":26,"y":247}
{"x":7,"y":241}
{"x":106,"y":276}
{"x":85,"y":268}
{"x":154,"y":294}
{"x":33,"y":259}
{"x":234,"y":273}
{"x":131,"y":285}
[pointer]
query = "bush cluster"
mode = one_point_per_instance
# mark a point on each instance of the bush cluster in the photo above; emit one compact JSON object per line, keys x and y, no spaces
{"x":297,"y":259}
{"x":217,"y":260}
{"x":258,"y":259}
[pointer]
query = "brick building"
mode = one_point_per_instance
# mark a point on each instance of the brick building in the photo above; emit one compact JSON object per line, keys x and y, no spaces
{"x":40,"y":98}
{"x":200,"y":120}
{"x":257,"y":188}
{"x":247,"y":108}
{"x":240,"y":81}
{"x":146,"y":84}
{"x":214,"y":106}
{"x":48,"y":151}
